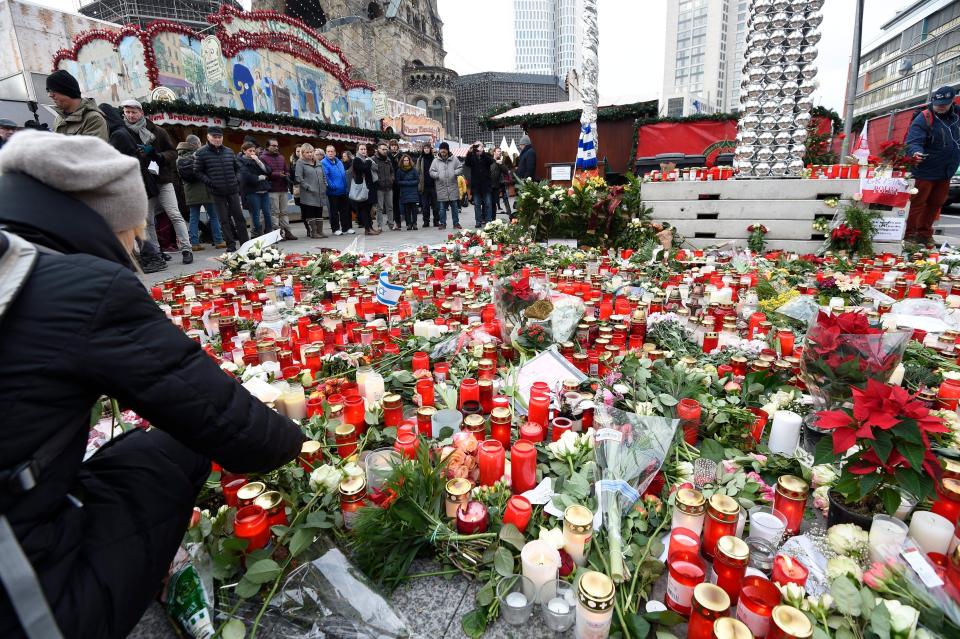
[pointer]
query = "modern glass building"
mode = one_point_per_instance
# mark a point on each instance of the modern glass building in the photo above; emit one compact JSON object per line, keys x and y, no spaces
{"x":545,"y":34}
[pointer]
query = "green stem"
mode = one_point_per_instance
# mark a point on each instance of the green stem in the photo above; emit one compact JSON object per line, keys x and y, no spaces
{"x":266,"y":601}
{"x":438,"y":573}
{"x":643,"y":557}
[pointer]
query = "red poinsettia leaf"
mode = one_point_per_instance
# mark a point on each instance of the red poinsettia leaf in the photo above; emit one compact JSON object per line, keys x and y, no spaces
{"x":833,"y":419}
{"x":881,"y":420}
{"x":843,"y":440}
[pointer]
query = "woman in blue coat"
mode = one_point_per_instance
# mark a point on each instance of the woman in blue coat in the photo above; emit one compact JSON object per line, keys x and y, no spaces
{"x":409,"y":182}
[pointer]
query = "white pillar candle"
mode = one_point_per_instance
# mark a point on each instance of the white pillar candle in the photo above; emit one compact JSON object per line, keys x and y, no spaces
{"x":886,"y":532}
{"x":785,"y":432}
{"x":541,"y":563}
{"x":932,"y":532}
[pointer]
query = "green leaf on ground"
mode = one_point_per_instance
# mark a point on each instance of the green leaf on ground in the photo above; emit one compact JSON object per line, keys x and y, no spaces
{"x":263,"y":571}
{"x":233,"y":629}
{"x":503,"y":562}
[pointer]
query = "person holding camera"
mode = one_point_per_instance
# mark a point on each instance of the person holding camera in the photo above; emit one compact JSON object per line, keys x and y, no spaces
{"x":481,"y":183}
{"x":934,"y":140}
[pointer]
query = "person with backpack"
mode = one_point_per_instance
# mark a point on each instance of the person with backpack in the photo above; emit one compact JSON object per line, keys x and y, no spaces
{"x":87,"y":543}
{"x":196,"y":194}
{"x":934,"y":141}
{"x":363,"y":188}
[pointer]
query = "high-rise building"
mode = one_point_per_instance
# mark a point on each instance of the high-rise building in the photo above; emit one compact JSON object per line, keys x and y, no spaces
{"x":545,"y":33}
{"x":477,"y":93}
{"x":703,"y":61}
{"x":917,"y":50}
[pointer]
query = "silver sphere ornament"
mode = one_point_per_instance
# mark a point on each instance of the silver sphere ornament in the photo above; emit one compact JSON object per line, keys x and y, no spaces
{"x":782,"y":137}
{"x":792,"y":55}
{"x":770,"y":107}
{"x":805,"y":103}
{"x":791,"y":72}
{"x":768,"y":123}
{"x":760,"y":22}
{"x":781,"y":153}
{"x":756,"y":56}
{"x":774,"y":73}
{"x":798,"y":20}
{"x":809,"y":72}
{"x":812,"y":37}
{"x":750,"y":107}
{"x":754,"y":73}
{"x":763,"y":154}
{"x":790,"y":88}
{"x":814,"y":19}
{"x":778,"y":169}
{"x":762,"y":6}
{"x":799,"y":136}
{"x":748,"y":137}
{"x":778,"y":36}
{"x":787,"y":103}
{"x":761,"y":169}
{"x":779,"y":20}
{"x":745,"y":151}
{"x":765,"y":138}
{"x":794,"y":38}
{"x":795,"y":167}
{"x":774,"y":54}
{"x":754,"y":90}
{"x":781,"y":5}
{"x":808,"y":54}
{"x":814,"y":5}
{"x":808,"y":86}
{"x":749,"y":123}
{"x":772,"y":90}
{"x":803,"y":118}
{"x":797,"y":151}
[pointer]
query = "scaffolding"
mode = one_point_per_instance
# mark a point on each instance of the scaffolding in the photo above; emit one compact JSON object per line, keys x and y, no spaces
{"x":191,"y":13}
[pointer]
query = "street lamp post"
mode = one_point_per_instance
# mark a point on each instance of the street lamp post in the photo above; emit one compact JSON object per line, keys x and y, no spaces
{"x":852,"y":81}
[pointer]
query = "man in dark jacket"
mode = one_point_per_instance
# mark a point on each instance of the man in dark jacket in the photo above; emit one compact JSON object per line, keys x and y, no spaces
{"x":217,"y":166}
{"x":155,"y":145}
{"x":279,"y":187}
{"x":196,"y":194}
{"x":527,"y":162}
{"x":100,"y":534}
{"x":7,"y":128}
{"x":76,"y":115}
{"x":385,"y":170}
{"x":934,"y":139}
{"x":428,"y":188}
{"x":394,"y":156}
{"x":479,"y":161}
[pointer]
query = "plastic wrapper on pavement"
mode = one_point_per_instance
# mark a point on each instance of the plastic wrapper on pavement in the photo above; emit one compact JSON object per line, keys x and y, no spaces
{"x":327,"y":598}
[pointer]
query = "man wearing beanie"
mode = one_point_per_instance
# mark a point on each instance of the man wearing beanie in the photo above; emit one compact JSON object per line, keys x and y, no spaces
{"x":527,"y":162}
{"x":75,"y":115}
{"x":86,"y":544}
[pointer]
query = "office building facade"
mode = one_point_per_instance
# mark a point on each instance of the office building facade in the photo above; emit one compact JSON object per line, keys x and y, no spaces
{"x":478,"y":93}
{"x":545,"y":36}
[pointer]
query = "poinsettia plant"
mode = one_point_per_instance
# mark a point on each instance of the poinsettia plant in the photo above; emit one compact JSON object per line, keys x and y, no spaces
{"x":889,"y":430}
{"x":756,"y":241}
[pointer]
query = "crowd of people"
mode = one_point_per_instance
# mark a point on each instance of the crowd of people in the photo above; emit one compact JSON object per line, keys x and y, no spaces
{"x":380,"y":187}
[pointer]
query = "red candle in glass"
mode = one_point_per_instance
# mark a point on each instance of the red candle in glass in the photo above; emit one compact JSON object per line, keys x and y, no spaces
{"x":540,"y":388}
{"x":251,"y":524}
{"x":948,"y":394}
{"x":407,"y":426}
{"x":421,"y":361}
{"x":682,"y":540}
{"x":787,"y":341}
{"x":723,"y":512}
{"x":559,"y":426}
{"x":538,"y":409}
{"x":758,"y":597}
{"x":730,"y":565}
{"x":392,"y":410}
{"x":790,"y":498}
{"x":469,"y":391}
{"x":441,"y":371}
{"x":517,"y":512}
{"x":346,"y":437}
{"x":710,"y":341}
{"x":230,"y":489}
{"x":472,"y":518}
{"x":787,"y":570}
{"x":760,"y":419}
{"x":492,"y":461}
{"x":688,"y":412}
{"x":523,"y":466}
{"x":532,"y":432}
{"x":425,"y":391}
{"x":709,"y":603}
{"x":156,"y":292}
{"x":406,"y":445}
{"x":353,"y":413}
{"x":947,"y":503}
{"x":486,"y":395}
{"x":501,"y":423}
{"x":686,"y":570}
{"x":754,"y":322}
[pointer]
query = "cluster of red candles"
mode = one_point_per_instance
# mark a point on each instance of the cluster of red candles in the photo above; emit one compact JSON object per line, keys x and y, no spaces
{"x":258,"y":509}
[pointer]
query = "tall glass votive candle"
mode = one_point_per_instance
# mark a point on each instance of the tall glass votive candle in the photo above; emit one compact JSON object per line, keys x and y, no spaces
{"x":558,"y":427}
{"x":476,"y":425}
{"x":730,"y":565}
{"x":501,"y":423}
{"x":682,"y":540}
{"x":249,"y":492}
{"x":577,"y":532}
{"x":791,"y":499}
{"x":538,"y":409}
{"x":723,"y":513}
{"x":251,"y":525}
{"x":595,"y":599}
{"x":689,"y":510}
{"x":469,"y":391}
{"x":517,"y":511}
{"x":392,"y":410}
{"x":354,"y":413}
{"x":425,"y":391}
{"x":689,"y":412}
{"x":947,"y":503}
{"x":786,"y":622}
{"x":406,"y":445}
{"x":491,"y":459}
{"x":758,"y":597}
{"x":310,"y":453}
{"x":425,"y":420}
{"x":768,"y":524}
{"x":457,"y":493}
{"x":523,"y":466}
{"x":472,"y":518}
{"x":421,"y":361}
{"x":887,"y":532}
{"x":709,"y":603}
{"x":346,"y":437}
{"x":532,"y":432}
{"x":486,"y":395}
{"x":685,"y":572}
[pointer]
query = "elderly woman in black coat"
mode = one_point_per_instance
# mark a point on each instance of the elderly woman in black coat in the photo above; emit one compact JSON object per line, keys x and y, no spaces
{"x":97,"y":536}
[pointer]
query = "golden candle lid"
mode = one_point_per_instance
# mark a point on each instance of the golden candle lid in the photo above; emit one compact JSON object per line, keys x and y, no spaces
{"x":767,"y":358}
{"x":792,"y":486}
{"x":578,"y":518}
{"x":730,"y":628}
{"x":711,"y":597}
{"x":792,"y":622}
{"x":249,"y":492}
{"x":310,"y":447}
{"x":485,"y":382}
{"x":595,"y":590}
{"x":761,"y":364}
{"x":690,"y":499}
{"x":688,"y":361}
{"x":353,"y":485}
{"x":725,"y":505}
{"x":500,"y":413}
{"x":486,"y":362}
{"x":458,"y":487}
{"x":579,"y":356}
{"x":952,"y":486}
{"x":268,"y":500}
{"x":392,"y":398}
{"x":951,"y":466}
{"x":733,"y":547}
{"x":739,"y":359}
{"x":474,"y":422}
{"x":426,"y":411}
{"x":344,"y":430}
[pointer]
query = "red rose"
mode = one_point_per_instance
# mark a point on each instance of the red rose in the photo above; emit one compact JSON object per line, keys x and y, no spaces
{"x":566,"y":563}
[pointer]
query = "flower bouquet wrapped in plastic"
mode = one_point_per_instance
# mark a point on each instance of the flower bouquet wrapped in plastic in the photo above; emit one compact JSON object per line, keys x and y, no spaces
{"x":532,"y":315}
{"x":630,"y":450}
{"x":842,"y":352}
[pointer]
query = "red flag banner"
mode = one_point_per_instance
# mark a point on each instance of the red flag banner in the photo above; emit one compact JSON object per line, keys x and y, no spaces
{"x":888,"y":191}
{"x":707,"y":137}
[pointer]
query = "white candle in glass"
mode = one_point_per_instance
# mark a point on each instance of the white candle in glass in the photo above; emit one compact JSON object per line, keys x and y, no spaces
{"x":541,"y":563}
{"x":294,"y":402}
{"x":768,"y":524}
{"x":932,"y":532}
{"x":886,"y":533}
{"x":785,"y":432}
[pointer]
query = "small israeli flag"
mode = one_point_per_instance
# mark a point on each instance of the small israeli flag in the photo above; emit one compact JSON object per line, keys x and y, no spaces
{"x":388,"y":294}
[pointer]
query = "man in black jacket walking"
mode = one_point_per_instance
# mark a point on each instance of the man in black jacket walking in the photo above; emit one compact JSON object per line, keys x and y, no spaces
{"x":217,"y":166}
{"x":527,"y":162}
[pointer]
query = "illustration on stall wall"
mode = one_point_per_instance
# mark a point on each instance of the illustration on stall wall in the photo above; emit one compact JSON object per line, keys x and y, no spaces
{"x":217,"y":70}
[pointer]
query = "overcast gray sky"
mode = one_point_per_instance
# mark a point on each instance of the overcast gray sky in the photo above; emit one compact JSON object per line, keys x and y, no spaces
{"x":478,"y":35}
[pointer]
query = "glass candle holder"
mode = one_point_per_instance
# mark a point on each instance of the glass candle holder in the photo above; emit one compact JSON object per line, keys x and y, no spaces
{"x":558,"y":605}
{"x":689,"y":510}
{"x":758,"y":597}
{"x":501,"y":423}
{"x":786,"y":622}
{"x":251,"y":525}
{"x":532,"y":432}
{"x":249,"y":492}
{"x":709,"y":603}
{"x":538,"y":409}
{"x":486,"y":395}
{"x":476,"y":425}
{"x":421,"y":361}
{"x":517,"y":595}
{"x":472,"y":518}
{"x":558,"y":427}
{"x":310,"y":453}
{"x":540,"y":562}
{"x":523,"y":466}
{"x":787,"y":570}
{"x":767,"y":523}
{"x":685,"y":572}
{"x":378,"y":466}
{"x":730,"y":565}
{"x":353,"y":493}
{"x":354,"y":413}
{"x":392,"y":410}
{"x":425,"y":421}
{"x":425,"y":391}
{"x":492,"y":461}
{"x":729,"y":628}
{"x":595,"y":598}
{"x":791,"y":499}
{"x":469,"y":391}
{"x":230,"y":489}
{"x":272,"y":503}
{"x":723,"y":513}
{"x":406,"y":445}
{"x":947,"y":503}
{"x":457,"y":493}
{"x":689,"y":412}
{"x":682,"y":540}
{"x":346,"y":438}
{"x":888,"y":533}
{"x":518,"y":511}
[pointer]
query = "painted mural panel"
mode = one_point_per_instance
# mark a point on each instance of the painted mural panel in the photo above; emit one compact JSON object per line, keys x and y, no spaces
{"x":96,"y":69}
{"x":133,"y":78}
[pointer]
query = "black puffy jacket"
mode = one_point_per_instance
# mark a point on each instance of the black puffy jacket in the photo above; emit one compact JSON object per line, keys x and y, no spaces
{"x":84,"y":326}
{"x":218,"y":168}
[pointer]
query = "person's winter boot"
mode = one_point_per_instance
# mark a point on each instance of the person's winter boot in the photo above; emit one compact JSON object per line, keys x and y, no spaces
{"x":316,"y":225}
{"x":187,"y":257}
